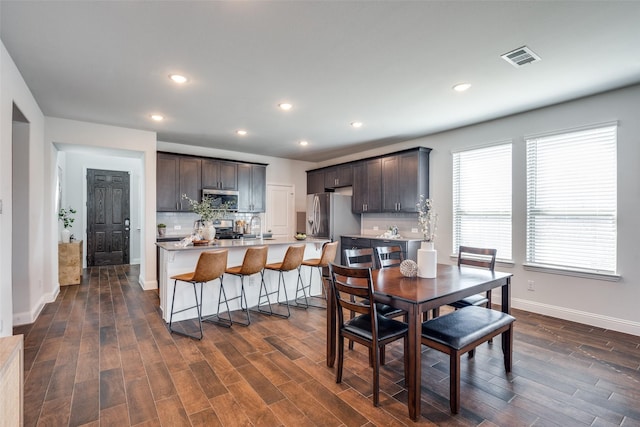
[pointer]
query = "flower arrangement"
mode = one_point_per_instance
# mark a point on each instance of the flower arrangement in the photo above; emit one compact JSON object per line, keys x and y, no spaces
{"x":64,"y":215}
{"x":427,"y":219}
{"x":205,"y":209}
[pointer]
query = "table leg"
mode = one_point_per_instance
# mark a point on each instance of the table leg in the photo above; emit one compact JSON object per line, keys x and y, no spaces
{"x":506,"y":308}
{"x":331,"y":326}
{"x":414,"y":360}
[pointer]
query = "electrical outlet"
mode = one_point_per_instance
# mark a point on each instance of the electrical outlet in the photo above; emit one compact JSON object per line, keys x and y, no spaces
{"x":530,"y":285}
{"x":414,"y":230}
{"x":177,"y":227}
{"x":375,"y":228}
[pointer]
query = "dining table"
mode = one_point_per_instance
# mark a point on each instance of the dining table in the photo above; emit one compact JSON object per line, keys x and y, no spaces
{"x":416,"y":296}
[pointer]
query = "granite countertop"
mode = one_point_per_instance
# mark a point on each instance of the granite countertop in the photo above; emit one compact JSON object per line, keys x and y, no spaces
{"x":361,"y":236}
{"x":239,"y":243}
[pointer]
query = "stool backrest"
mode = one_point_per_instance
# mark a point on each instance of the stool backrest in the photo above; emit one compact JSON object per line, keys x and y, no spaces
{"x":389,"y":256}
{"x":254,"y":260}
{"x":329,"y":251}
{"x":210,"y":266}
{"x":362,"y":257}
{"x":293,"y":258}
{"x":477,"y":257}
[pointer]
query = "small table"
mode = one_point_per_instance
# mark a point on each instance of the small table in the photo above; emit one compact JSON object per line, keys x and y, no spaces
{"x":70,"y":263}
{"x":416,"y":295}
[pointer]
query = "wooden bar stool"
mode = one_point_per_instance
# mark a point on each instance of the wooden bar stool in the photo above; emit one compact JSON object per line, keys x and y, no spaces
{"x":255,"y":259}
{"x":292,"y":261}
{"x":329,"y":251}
{"x":210,"y":266}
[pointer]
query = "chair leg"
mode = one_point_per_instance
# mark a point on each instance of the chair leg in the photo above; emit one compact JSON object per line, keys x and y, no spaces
{"x":454,"y":382}
{"x":489,"y":306}
{"x":308,"y":286}
{"x":507,"y":348}
{"x":266,"y":294}
{"x":340,"y":359}
{"x":222,"y":298}
{"x":198,"y":308}
{"x":376,"y":375}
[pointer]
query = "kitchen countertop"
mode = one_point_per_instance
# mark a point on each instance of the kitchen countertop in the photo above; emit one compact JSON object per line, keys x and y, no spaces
{"x":238,"y":243}
{"x":360,"y":236}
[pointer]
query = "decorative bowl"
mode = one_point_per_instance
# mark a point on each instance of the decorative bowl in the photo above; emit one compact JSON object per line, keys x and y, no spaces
{"x":299,"y":237}
{"x":200,"y":242}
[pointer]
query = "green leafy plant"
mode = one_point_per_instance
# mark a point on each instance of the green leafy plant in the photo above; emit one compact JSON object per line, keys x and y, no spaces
{"x":64,"y":215}
{"x":206,"y":210}
{"x":162,"y":225}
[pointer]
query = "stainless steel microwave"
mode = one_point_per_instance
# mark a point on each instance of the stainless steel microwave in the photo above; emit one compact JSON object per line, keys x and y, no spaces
{"x":220,"y":197}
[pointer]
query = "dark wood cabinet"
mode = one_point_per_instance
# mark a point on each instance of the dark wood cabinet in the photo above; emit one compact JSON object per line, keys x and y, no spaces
{"x":252,"y":181}
{"x":219,"y":174}
{"x":315,"y":181}
{"x":367,"y":186}
{"x":338,"y":176}
{"x":177,"y":175}
{"x":405,"y":176}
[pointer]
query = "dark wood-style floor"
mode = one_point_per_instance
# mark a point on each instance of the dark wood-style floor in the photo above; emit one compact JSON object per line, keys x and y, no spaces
{"x":101,"y":355}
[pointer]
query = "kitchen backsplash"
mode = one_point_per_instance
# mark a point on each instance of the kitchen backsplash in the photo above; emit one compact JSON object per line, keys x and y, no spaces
{"x":407,"y":224}
{"x":181,"y":223}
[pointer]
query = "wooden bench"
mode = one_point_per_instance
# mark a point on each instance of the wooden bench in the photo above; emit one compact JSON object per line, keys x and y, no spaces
{"x":463,"y":330}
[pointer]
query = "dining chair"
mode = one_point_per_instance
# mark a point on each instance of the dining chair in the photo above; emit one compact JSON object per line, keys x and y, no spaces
{"x":389,"y":256}
{"x":363,"y":257}
{"x":210,"y":266}
{"x":327,"y":256}
{"x":353,"y":291}
{"x":462,"y":331}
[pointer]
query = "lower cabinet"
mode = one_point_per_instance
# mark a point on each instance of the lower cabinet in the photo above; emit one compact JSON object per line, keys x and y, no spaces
{"x":409,"y":247}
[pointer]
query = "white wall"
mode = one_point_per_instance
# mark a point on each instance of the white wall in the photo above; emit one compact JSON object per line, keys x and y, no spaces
{"x":75,"y":191}
{"x":109,"y":141}
{"x":606,"y":304}
{"x":37,"y":289}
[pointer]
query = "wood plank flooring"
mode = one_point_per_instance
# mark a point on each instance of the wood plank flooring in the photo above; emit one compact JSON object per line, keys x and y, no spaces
{"x":101,"y":355}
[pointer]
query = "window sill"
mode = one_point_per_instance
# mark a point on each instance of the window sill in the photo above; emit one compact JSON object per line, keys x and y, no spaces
{"x":576,"y":273}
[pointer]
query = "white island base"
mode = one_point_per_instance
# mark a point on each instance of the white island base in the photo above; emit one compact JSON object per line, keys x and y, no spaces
{"x":177,"y":260}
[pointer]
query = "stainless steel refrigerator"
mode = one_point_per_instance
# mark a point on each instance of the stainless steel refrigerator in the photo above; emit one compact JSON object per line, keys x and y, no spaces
{"x":329,"y":216}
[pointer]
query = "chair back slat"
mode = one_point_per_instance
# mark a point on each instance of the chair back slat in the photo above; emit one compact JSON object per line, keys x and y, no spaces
{"x":353,"y":290}
{"x":359,"y":257}
{"x":477,"y":257}
{"x":389,"y":256}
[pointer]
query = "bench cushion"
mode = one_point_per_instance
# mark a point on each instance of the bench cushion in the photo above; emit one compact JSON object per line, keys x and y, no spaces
{"x":464,"y":326}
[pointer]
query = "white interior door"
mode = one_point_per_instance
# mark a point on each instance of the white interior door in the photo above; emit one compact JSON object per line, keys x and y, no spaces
{"x":280,"y":210}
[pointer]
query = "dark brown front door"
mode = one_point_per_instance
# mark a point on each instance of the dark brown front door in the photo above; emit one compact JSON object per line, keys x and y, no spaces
{"x":108,"y":220}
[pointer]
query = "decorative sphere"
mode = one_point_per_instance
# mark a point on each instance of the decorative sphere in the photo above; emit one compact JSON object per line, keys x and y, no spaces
{"x":409,"y":268}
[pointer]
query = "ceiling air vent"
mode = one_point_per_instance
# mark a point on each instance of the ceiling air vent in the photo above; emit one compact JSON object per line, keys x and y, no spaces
{"x":521,"y":56}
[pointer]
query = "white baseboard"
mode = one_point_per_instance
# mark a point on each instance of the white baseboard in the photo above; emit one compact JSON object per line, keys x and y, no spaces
{"x":597,"y":320}
{"x":147,"y":285}
{"x":28,"y":317}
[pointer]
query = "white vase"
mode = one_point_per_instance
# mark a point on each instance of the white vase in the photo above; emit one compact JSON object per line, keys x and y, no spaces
{"x":65,"y":235}
{"x":427,"y":261}
{"x":208,"y":231}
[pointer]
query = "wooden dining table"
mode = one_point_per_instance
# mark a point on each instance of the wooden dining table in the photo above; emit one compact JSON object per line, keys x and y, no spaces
{"x":416,"y":296}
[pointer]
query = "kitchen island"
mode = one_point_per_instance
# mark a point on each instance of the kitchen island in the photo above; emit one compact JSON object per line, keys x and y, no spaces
{"x":175,"y":259}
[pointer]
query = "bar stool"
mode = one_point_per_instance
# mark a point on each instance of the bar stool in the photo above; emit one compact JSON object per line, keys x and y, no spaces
{"x":210,"y":266}
{"x":292,"y":261}
{"x":328,"y":255}
{"x":255,"y":258}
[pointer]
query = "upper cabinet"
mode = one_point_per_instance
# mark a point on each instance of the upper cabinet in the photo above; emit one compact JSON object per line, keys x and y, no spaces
{"x":315,"y":181}
{"x":219,"y":174}
{"x":177,"y":175}
{"x":252,"y":183}
{"x":338,"y":176}
{"x":367,"y":180}
{"x":405,"y":176}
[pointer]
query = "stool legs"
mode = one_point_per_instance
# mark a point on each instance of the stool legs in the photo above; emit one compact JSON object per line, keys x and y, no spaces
{"x":222,"y":299}
{"x":266,"y":293}
{"x":198,"y":307}
{"x":302,"y":288}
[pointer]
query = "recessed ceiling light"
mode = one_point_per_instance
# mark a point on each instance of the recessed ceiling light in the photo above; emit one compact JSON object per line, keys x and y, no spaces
{"x":177,"y":78}
{"x":356,"y":124}
{"x":285,"y":106}
{"x":303,"y":143}
{"x":157,"y":117}
{"x":241,"y":132}
{"x":462,"y":87}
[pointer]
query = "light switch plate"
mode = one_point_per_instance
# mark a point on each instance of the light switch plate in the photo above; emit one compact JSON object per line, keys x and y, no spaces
{"x":375,"y":228}
{"x":177,"y":227}
{"x":414,"y":230}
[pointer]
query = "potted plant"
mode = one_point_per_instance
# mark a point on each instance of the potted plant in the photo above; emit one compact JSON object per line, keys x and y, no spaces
{"x":208,"y":214}
{"x":65,"y":215}
{"x":162,"y":228}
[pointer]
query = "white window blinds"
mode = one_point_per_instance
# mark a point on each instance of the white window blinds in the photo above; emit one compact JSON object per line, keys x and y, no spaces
{"x":482,"y":198}
{"x":571,"y":200}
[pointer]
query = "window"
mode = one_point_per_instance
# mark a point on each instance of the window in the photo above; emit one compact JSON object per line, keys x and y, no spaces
{"x":571,"y":200}
{"x":482,"y":198}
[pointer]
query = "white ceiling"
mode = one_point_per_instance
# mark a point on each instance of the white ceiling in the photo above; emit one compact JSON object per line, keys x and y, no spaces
{"x":388,"y":64}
